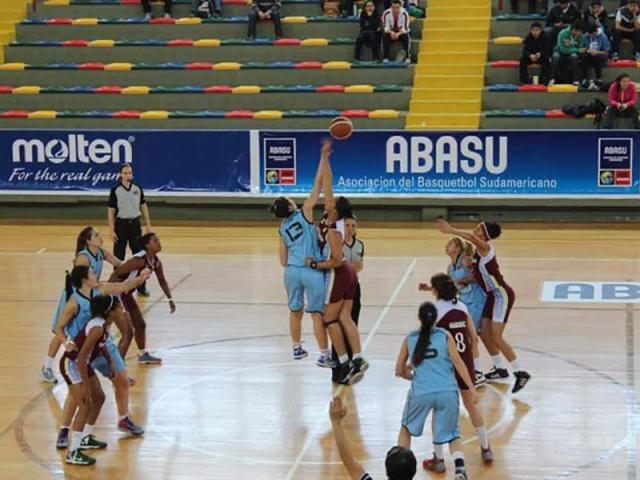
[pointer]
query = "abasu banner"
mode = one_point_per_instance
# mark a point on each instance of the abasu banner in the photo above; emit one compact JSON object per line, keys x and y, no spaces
{"x":484,"y":163}
{"x":179,"y":161}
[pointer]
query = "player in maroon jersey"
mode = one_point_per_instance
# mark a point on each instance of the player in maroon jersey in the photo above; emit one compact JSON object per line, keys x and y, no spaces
{"x":146,"y":258}
{"x":341,"y":281}
{"x":81,"y":379}
{"x":500,"y":300}
{"x":454,"y":317}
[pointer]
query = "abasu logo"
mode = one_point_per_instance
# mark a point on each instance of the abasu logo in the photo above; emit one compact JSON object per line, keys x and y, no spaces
{"x":592,"y":292}
{"x":73,"y":149}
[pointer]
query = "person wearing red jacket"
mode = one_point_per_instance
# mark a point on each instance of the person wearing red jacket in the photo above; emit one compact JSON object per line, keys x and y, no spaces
{"x":622,"y":101}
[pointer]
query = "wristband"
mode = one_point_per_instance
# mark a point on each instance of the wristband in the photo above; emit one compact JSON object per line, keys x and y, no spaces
{"x":314,"y":264}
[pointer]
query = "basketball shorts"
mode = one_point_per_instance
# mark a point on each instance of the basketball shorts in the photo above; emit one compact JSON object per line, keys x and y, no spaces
{"x":341,"y":284}
{"x":61,"y":303}
{"x":129,"y":302}
{"x":70,"y":371}
{"x":446,"y":415}
{"x":498,"y":305}
{"x":102,"y":365}
{"x":301,"y":281}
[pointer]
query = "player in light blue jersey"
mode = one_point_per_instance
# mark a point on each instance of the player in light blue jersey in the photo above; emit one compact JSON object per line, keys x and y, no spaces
{"x":73,"y":319}
{"x":299,"y":240}
{"x":427,"y":358}
{"x":89,"y":252}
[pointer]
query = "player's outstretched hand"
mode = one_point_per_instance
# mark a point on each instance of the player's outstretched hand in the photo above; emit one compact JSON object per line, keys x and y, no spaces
{"x":326,"y":149}
{"x":405,"y":372}
{"x":337,"y":410}
{"x":172,"y":306}
{"x":424,"y":287}
{"x":146,"y":273}
{"x":444,"y":226}
{"x":308,"y":261}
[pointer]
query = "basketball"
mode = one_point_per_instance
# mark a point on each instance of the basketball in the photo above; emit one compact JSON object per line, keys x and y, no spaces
{"x":341,"y":128}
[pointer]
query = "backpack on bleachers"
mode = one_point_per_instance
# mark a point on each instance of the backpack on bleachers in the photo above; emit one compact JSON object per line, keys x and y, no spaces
{"x":204,"y":9}
{"x":595,"y":107}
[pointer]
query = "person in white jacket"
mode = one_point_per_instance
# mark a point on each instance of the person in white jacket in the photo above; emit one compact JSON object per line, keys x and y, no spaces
{"x":395,"y":23}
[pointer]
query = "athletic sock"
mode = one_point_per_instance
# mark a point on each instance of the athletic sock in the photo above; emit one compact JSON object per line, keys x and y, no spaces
{"x":324,"y":352}
{"x":48,"y":362}
{"x":458,"y":459}
{"x":344,"y":358}
{"x":357,"y":355}
{"x":516,"y":365}
{"x":65,"y":427}
{"x":483,"y":437}
{"x":76,"y":439}
{"x":498,"y":362}
{"x":297,"y":345}
{"x":88,"y":430}
{"x":142,"y":352}
{"x":123,"y":417}
{"x":438,"y":451}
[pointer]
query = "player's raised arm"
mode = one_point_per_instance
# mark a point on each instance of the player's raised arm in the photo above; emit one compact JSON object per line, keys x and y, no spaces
{"x":447,"y":228}
{"x":327,"y":175}
{"x":337,"y":411}
{"x":312,"y":199}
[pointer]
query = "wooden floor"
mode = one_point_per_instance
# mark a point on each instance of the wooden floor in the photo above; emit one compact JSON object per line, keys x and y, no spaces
{"x":229,"y":403}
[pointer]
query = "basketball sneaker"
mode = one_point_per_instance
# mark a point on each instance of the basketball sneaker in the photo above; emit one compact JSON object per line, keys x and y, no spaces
{"x":480,"y":379}
{"x":77,"y":457}
{"x":48,"y":375}
{"x":344,"y":373}
{"x":360,"y":365}
{"x":497,"y":374}
{"x":299,"y":353}
{"x":147,"y":359}
{"x":486,"y":454}
{"x":325,"y":361}
{"x":143,"y":292}
{"x":522,"y":378}
{"x":63,"y":438}
{"x":90,"y":443}
{"x":434,"y":464}
{"x":127,"y":426}
{"x":461,"y":475}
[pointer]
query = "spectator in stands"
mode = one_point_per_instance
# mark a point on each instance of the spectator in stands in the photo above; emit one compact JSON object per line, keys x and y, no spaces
{"x":369,"y":30}
{"x":570,"y":49}
{"x":562,"y":15}
{"x":622,"y":101}
{"x":536,"y":50}
{"x":206,"y":8}
{"x":395,"y":23}
{"x":596,"y":57}
{"x":146,"y":7}
{"x":597,"y":15}
{"x":265,"y":10}
{"x":627,"y":26}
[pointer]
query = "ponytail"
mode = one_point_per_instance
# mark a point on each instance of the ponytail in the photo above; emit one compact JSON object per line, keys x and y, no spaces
{"x":68,"y":287}
{"x":444,"y":287}
{"x":83,"y":238}
{"x":427,"y":315}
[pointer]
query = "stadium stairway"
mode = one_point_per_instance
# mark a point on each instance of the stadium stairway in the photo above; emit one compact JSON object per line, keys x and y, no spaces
{"x":99,"y":64}
{"x":449,"y":74}
{"x":506,"y":104}
{"x":11,"y":12}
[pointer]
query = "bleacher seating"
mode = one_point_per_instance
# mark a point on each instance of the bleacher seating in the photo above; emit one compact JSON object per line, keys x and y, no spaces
{"x":99,"y":63}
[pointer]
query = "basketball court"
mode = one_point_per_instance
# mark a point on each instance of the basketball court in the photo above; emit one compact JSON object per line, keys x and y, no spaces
{"x":230,"y":403}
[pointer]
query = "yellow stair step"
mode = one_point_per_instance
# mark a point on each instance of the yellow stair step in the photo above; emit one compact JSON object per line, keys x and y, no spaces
{"x":454,"y":23}
{"x":448,"y":58}
{"x":442,"y":121}
{"x":445,"y":106}
{"x":455,"y":10}
{"x":453,"y":46}
{"x":448,"y":69}
{"x":454,"y":33}
{"x":448,"y":81}
{"x":445,"y":95}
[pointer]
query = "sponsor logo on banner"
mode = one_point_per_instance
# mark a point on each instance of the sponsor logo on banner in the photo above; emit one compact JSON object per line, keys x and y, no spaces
{"x":591,"y":292}
{"x":280,"y":161}
{"x":614,"y":162}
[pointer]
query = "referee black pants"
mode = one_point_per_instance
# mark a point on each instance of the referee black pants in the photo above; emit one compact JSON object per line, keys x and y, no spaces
{"x":128,"y":232}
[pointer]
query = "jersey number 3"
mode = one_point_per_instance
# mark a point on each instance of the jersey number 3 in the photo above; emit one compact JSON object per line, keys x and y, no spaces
{"x":295,"y":231}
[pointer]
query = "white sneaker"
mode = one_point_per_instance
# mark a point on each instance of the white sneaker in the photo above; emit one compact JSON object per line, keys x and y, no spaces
{"x":48,"y":375}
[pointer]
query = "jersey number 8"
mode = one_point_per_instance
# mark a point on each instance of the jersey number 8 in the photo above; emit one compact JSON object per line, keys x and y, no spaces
{"x":461,"y":345}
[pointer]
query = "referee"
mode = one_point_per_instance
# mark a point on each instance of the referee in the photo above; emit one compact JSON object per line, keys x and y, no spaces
{"x":353,"y":250}
{"x":126,"y":203}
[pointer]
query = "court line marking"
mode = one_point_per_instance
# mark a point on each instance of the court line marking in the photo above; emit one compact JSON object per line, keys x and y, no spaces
{"x":42,"y":250}
{"x":314,"y":430}
{"x":633,"y":420}
{"x":381,"y":257}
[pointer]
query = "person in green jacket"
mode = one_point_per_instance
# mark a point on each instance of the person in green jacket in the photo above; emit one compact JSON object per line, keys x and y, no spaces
{"x":570,"y":47}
